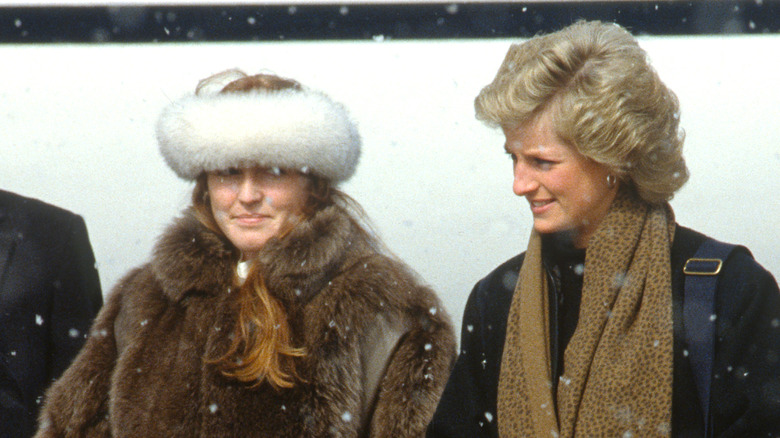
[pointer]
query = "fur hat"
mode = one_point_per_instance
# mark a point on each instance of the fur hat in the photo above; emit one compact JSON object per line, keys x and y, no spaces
{"x":294,"y":128}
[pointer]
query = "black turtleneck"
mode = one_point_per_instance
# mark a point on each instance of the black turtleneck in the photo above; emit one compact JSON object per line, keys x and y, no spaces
{"x":567,"y":264}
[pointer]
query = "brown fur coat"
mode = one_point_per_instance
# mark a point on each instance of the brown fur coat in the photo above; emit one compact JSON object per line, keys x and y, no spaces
{"x":379,"y":344}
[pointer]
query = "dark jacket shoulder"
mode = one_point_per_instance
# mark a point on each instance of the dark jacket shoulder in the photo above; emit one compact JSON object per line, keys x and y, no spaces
{"x":13,"y":203}
{"x":745,"y":381}
{"x":468,"y":405}
{"x":35,"y":219}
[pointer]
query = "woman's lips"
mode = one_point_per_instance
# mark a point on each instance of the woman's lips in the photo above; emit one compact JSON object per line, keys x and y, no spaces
{"x":540,"y":206}
{"x":250,"y":219}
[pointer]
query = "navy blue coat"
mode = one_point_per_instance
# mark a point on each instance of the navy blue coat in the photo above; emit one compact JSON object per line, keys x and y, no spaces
{"x":49,"y":294}
{"x":745,"y":399}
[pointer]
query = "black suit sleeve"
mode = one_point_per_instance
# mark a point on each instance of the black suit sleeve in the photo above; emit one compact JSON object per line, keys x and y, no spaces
{"x":76,"y":300}
{"x":15,"y":417}
{"x":49,"y":294}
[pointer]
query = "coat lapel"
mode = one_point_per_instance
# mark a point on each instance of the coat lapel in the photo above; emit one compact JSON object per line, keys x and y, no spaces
{"x":7,"y":245}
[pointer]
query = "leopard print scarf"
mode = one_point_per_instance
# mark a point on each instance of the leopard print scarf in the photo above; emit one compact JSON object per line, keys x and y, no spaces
{"x":617,"y":378}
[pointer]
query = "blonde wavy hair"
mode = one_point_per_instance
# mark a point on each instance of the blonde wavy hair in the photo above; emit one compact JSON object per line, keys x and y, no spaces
{"x":604,"y":98}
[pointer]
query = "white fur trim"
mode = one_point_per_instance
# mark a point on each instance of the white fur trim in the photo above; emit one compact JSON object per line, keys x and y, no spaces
{"x":291,"y":129}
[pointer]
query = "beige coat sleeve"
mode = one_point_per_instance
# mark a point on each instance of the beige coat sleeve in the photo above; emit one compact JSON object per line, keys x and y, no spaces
{"x":406,"y":371}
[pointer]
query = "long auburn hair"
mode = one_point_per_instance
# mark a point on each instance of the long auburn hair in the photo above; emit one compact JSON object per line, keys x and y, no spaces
{"x":262,"y":346}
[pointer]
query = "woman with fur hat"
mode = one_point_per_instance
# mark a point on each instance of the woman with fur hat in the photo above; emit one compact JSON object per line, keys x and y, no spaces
{"x":267,"y":309}
{"x":612,"y":323}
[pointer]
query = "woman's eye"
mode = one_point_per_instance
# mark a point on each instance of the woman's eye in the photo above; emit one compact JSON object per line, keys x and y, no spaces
{"x":232,"y":171}
{"x":543,"y":164}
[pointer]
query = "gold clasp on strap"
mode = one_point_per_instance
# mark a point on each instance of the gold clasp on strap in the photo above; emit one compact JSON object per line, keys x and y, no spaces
{"x":693,"y":266}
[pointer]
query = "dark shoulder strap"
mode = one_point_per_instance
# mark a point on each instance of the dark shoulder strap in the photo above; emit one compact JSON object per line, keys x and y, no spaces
{"x":701,"y":280}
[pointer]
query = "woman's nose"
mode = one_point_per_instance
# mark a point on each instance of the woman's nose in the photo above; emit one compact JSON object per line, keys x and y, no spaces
{"x":249,"y":189}
{"x":524,"y":181}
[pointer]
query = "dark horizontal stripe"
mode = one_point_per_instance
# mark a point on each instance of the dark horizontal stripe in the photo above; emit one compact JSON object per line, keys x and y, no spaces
{"x":376,"y":21}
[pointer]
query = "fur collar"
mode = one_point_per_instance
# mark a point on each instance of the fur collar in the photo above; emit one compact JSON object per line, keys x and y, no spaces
{"x":190,"y":258}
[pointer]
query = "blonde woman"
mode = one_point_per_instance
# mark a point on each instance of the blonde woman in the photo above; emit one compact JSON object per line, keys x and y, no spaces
{"x":267,"y":309}
{"x":585,"y":334}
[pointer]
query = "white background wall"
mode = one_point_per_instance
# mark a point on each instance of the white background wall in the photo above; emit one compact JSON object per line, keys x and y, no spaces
{"x":76,"y":129}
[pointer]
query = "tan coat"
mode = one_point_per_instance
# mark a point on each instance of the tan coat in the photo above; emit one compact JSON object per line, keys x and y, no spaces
{"x":379,"y":344}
